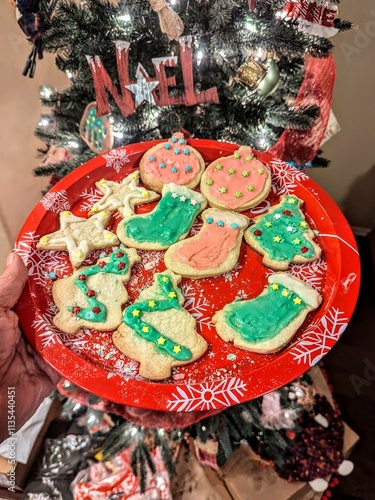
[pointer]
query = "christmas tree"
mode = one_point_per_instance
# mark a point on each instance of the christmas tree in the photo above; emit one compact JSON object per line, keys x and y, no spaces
{"x":231,"y":71}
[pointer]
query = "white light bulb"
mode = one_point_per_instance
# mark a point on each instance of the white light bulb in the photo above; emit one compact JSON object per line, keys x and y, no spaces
{"x":173,"y":2}
{"x":44,"y":122}
{"x":69,"y":74}
{"x":133,"y":432}
{"x":124,"y":17}
{"x":199,"y":56}
{"x":73,"y":144}
{"x":119,"y":135}
{"x":46,"y":92}
{"x":111,"y":119}
{"x":250,"y":27}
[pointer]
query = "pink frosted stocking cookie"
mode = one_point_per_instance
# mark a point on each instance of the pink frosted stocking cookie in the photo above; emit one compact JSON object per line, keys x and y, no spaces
{"x":214,"y":250}
{"x":237,"y":182}
{"x":173,"y":161}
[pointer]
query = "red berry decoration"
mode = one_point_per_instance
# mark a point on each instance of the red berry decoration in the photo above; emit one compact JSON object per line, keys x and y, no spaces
{"x":304,"y":249}
{"x":121,"y":265}
{"x":76,"y":310}
{"x":102,"y":264}
{"x":82,"y":277}
{"x":119,"y":255}
{"x":257,"y":232}
{"x":96,"y":310}
{"x":287,"y":212}
{"x":90,"y":293}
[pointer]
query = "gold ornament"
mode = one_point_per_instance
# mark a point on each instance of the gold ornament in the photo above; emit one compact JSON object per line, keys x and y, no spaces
{"x":262,"y":77}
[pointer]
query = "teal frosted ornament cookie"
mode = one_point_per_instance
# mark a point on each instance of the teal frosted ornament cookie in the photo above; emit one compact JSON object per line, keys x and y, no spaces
{"x":283,"y":236}
{"x":93,"y":296}
{"x":265,"y":324}
{"x":169,"y":222}
{"x":157,"y":331}
{"x":96,"y":131}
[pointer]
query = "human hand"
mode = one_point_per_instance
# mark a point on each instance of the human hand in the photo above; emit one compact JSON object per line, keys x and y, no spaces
{"x":20,"y":366}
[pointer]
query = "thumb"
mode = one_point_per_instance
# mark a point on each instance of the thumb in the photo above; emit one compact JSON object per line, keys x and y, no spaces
{"x":12,"y":281}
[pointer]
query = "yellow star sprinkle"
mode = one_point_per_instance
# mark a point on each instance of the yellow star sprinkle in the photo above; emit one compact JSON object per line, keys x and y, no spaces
{"x":303,"y":223}
{"x":297,"y":301}
{"x":161,"y":340}
{"x":136,"y":312}
{"x":66,"y":213}
{"x":128,"y":214}
{"x":151,"y":303}
{"x":172,"y":295}
{"x":177,"y":349}
{"x":165,"y":279}
{"x":94,"y":209}
{"x":145,"y":329}
{"x":268,"y":224}
{"x":109,"y":235}
{"x":145,"y":194}
{"x":79,"y":255}
{"x":277,"y":239}
{"x":292,"y":201}
{"x":102,"y":181}
{"x":44,"y":239}
{"x":285,"y":293}
{"x":134,"y":176}
{"x":296,"y":241}
{"x":275,"y":286}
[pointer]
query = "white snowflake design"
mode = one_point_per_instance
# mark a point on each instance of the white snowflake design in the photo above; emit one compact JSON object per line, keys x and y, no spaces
{"x":233,"y":273}
{"x":312,"y":346}
{"x":116,"y":159}
{"x":56,"y":201}
{"x":90,"y":197}
{"x":197,"y":306}
{"x":312,"y":273}
{"x":285,"y":177}
{"x":208,"y":395}
{"x":40,"y":262}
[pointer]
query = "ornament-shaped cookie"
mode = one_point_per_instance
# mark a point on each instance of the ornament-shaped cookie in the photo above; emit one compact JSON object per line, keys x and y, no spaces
{"x":123,"y":196}
{"x":157,"y":331}
{"x":169,"y":222}
{"x":214,"y":250}
{"x":268,"y":322}
{"x":283,"y":236}
{"x":172,"y":161}
{"x":78,"y":236}
{"x":93,"y":296}
{"x":236,"y":182}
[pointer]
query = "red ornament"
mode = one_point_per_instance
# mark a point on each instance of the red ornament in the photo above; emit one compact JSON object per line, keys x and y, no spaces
{"x":101,"y":264}
{"x":82,"y":277}
{"x":121,"y":265}
{"x":90,"y":293}
{"x":257,"y":232}
{"x":119,"y":255}
{"x":304,"y":249}
{"x":76,"y":310}
{"x":96,"y":310}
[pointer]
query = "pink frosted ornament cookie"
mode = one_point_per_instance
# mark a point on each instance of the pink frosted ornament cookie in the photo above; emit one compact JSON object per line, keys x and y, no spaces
{"x":172,"y":162}
{"x":237,"y":182}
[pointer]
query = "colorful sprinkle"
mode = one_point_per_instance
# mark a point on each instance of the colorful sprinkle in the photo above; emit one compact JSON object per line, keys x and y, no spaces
{"x":237,"y":194}
{"x":65,"y":213}
{"x":188,"y":168}
{"x":167,"y":146}
{"x":304,"y":249}
{"x":237,"y":156}
{"x":172,"y":295}
{"x":297,"y":301}
{"x":101,"y":264}
{"x":257,"y":232}
{"x":296,"y":241}
{"x":177,"y":349}
{"x":231,"y":171}
{"x":174,"y":139}
{"x":177,"y":151}
{"x":79,"y":255}
{"x":209,"y":182}
{"x":96,"y":310}
{"x":76,"y":310}
{"x":275,"y":286}
{"x":277,"y":239}
{"x":161,"y":340}
{"x":162,"y":165}
{"x":277,"y":216}
{"x":145,"y":329}
{"x":234,"y":226}
{"x":102,"y":181}
{"x":250,"y":188}
{"x":181,"y":141}
{"x":223,"y":190}
{"x":268,"y":224}
{"x":165,"y":279}
{"x":209,"y":220}
{"x":52,"y":276}
{"x":260,"y":171}
{"x":186,"y":151}
{"x":174,"y":169}
{"x":303,"y":224}
{"x":136,"y":312}
{"x":285,"y":293}
{"x":248,"y":158}
{"x":193,"y":202}
{"x":288,"y":213}
{"x":291,"y":201}
{"x":182,"y":198}
{"x":151,"y":303}
{"x":245,"y":173}
{"x":82,"y":277}
{"x":152,"y":158}
{"x":219,"y":166}
{"x":44,"y":239}
{"x":121,"y":265}
{"x":90,"y":293}
{"x":220,"y":223}
{"x":145,"y":194}
{"x":290,"y":229}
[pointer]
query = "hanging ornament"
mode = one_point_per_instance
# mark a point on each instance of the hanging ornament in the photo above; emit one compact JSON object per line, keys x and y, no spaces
{"x":142,"y":90}
{"x":207,"y":452}
{"x":316,"y":17}
{"x":96,"y":131}
{"x":170,"y":22}
{"x":260,"y":77}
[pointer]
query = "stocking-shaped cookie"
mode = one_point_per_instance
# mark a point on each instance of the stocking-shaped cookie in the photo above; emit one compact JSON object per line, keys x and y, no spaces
{"x":267,"y":323}
{"x":169,"y":222}
{"x":157,"y":331}
{"x":93,"y":296}
{"x":283,"y":236}
{"x":123,"y":196}
{"x":214,"y":250}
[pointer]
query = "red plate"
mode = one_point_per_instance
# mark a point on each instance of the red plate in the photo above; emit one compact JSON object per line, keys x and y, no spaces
{"x":225,"y":375}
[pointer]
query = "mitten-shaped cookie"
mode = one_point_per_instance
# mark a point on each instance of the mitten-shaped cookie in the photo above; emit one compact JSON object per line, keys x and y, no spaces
{"x":170,"y":221}
{"x":268,"y":322}
{"x":157,"y":331}
{"x":283,"y":236}
{"x":172,"y":161}
{"x":93,"y":296}
{"x":236,"y":182}
{"x":214,"y":250}
{"x":123,"y":196}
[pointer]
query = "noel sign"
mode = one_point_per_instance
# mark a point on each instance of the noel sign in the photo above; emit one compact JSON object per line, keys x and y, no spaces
{"x":314,"y":16}
{"x":146,"y":88}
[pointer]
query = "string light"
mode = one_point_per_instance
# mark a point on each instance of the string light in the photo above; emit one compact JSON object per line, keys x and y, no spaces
{"x":199,"y":56}
{"x":69,"y":74}
{"x":250,"y":26}
{"x":46,"y":92}
{"x":119,"y":135}
{"x":73,"y":144}
{"x":44,"y":122}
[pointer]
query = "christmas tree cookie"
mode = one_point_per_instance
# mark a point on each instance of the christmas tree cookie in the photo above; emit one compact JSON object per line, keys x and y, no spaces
{"x":79,"y":236}
{"x":268,"y":322}
{"x":214,"y":250}
{"x":122,"y":196}
{"x":237,"y":182}
{"x":283,"y":236}
{"x":172,"y":161}
{"x":93,"y":296}
{"x":169,"y":222}
{"x":157,"y":331}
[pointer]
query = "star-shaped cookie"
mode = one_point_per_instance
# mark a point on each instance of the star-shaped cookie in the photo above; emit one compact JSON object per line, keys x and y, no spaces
{"x":123,"y":196}
{"x":79,"y":236}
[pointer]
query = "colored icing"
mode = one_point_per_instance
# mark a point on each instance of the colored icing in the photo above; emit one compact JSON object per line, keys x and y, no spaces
{"x":283,"y":235}
{"x":171,"y":219}
{"x":170,"y":165}
{"x":236,"y":180}
{"x":96,"y":311}
{"x":133,"y":319}
{"x":263,"y":318}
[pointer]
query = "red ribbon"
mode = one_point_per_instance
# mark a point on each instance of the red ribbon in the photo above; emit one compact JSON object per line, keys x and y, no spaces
{"x":301,"y":146}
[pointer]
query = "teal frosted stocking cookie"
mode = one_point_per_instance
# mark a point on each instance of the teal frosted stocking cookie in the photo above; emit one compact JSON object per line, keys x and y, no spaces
{"x":169,"y":222}
{"x":268,"y":322}
{"x":93,"y":296}
{"x":157,"y":331}
{"x":283,"y":236}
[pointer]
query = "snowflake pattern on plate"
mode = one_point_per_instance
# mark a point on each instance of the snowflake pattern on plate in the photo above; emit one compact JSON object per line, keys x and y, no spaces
{"x":89,"y":197}
{"x":312,"y":273}
{"x":312,"y":346}
{"x":116,"y":159}
{"x":197,"y":306}
{"x":207,"y":396}
{"x":233,"y":273}
{"x":285,"y":178}
{"x":56,"y":201}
